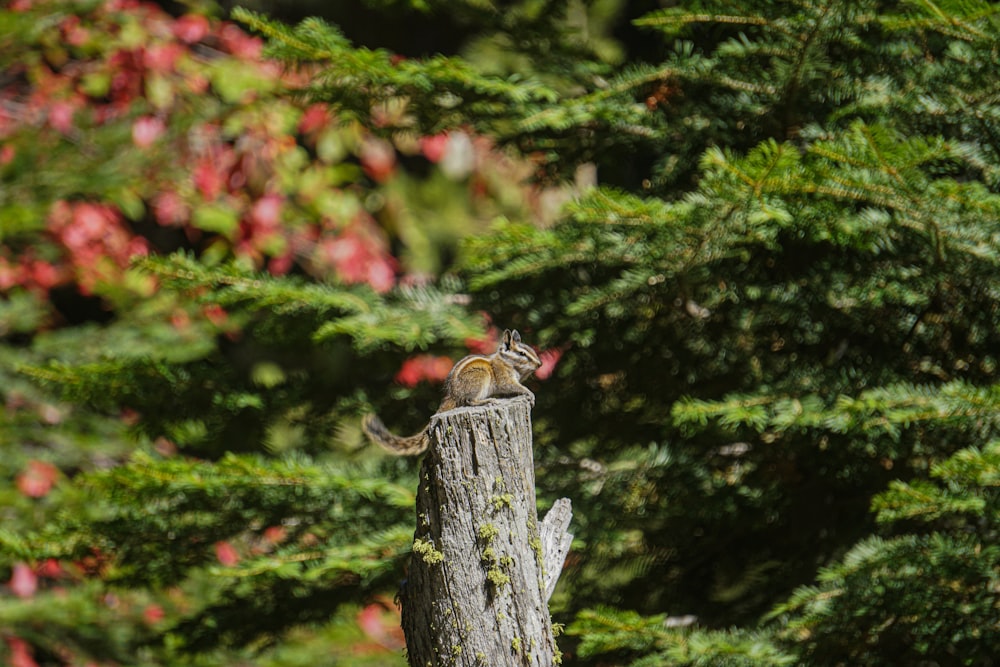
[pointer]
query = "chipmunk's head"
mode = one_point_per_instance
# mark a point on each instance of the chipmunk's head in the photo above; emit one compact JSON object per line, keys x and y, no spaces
{"x":519,"y":355}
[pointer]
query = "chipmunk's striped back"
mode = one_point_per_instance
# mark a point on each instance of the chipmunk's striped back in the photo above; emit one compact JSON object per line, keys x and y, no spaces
{"x":474,"y":380}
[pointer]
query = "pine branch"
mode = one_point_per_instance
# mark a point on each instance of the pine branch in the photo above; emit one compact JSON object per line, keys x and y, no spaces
{"x":410,"y":317}
{"x":606,"y":630}
{"x":441,"y":91}
{"x":885,"y":409}
{"x":158,"y":519}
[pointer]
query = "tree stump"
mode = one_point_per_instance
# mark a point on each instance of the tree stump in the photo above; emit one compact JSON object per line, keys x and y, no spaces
{"x":482,"y":568}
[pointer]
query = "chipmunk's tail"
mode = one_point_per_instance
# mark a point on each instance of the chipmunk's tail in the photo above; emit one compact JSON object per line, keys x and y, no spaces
{"x":394,"y":444}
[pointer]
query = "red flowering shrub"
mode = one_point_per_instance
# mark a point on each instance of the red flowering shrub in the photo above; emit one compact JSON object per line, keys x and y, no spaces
{"x":141,"y":119}
{"x":144,"y":119}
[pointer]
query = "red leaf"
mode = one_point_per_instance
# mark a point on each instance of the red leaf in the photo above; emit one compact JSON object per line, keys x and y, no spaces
{"x":23,"y":581}
{"x":20,"y":653}
{"x":423,"y":367}
{"x":226,"y":553}
{"x":61,"y":116}
{"x":43,"y":274}
{"x":487,"y":344}
{"x":208,"y":180}
{"x":434,"y":147}
{"x":378,"y":160}
{"x":50,"y":569}
{"x":170,"y":209}
{"x":265,"y":215}
{"x":190,"y":28}
{"x":359,"y":258}
{"x":215,"y":314}
{"x":316,"y":117}
{"x":37,"y":479}
{"x":89,"y":223}
{"x":275,"y":534}
{"x":73,"y":33}
{"x":279,"y":266}
{"x":240,"y":44}
{"x":153,"y":614}
{"x":180,"y":320}
{"x":381,"y":624}
{"x":10,"y":275}
{"x":381,"y":274}
{"x":162,"y":57}
{"x":549,"y":360}
{"x":146,"y":130}
{"x":409,"y":373}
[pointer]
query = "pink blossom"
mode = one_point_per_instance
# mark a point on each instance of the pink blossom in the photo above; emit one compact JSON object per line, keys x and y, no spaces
{"x":380,"y":622}
{"x":316,"y":117}
{"x":423,"y":367}
{"x":280,"y":265}
{"x":549,"y":360}
{"x":153,"y":614}
{"x":73,"y":33}
{"x":378,"y":160}
{"x":170,"y":209}
{"x":226,"y":553}
{"x":208,"y":180}
{"x":61,"y":116}
{"x":191,"y":28}
{"x":359,"y":259}
{"x":265,"y":214}
{"x":381,"y":274}
{"x":43,"y":274}
{"x":37,"y":479}
{"x":23,"y":581}
{"x":434,"y":147}
{"x":146,"y":130}
{"x":20,"y":650}
{"x":162,"y":57}
{"x":240,"y":44}
{"x":88,"y":222}
{"x":347,"y":254}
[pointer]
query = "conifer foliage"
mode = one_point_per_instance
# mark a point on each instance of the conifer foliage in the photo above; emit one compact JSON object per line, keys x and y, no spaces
{"x":771,"y":328}
{"x":793,"y":306}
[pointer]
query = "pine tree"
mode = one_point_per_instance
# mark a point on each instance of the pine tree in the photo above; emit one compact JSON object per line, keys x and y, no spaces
{"x":791,"y":310}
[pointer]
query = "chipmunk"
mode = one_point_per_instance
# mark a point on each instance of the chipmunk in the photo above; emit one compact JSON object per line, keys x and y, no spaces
{"x":474,"y":380}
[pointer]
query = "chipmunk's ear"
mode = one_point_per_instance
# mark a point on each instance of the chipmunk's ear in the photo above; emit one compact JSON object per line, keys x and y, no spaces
{"x":515,"y":336}
{"x":505,"y":341}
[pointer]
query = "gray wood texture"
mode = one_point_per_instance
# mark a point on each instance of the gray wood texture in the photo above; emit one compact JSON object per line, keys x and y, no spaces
{"x":483,"y":567}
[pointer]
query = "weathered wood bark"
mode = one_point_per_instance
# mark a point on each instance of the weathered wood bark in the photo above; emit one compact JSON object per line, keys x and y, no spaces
{"x":482,"y":569}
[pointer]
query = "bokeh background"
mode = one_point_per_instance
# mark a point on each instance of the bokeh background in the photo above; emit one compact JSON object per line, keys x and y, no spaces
{"x":756,"y":244}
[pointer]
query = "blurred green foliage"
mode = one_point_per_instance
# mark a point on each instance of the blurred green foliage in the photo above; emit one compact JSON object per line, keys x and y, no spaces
{"x":759,"y":243}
